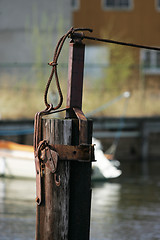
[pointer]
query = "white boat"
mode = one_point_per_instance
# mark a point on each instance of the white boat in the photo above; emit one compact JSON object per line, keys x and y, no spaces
{"x":103,"y":168}
{"x":17,"y":160}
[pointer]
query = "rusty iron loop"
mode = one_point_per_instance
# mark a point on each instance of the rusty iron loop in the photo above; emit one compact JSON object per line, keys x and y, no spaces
{"x":42,"y":145}
{"x":54,"y":64}
{"x":54,"y":71}
{"x":57,"y":182}
{"x":37,"y":126}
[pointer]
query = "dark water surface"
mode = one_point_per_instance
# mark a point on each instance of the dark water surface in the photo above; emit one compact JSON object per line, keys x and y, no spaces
{"x":120,"y":211}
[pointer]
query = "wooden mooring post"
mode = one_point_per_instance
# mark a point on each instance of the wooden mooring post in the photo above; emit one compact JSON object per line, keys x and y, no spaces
{"x":64,"y":212}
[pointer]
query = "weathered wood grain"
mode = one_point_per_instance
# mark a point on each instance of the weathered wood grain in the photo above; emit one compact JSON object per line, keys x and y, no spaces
{"x":53,"y":213}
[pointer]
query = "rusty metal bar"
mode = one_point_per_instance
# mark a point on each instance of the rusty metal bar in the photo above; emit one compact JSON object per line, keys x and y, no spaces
{"x":84,"y":152}
{"x":75,"y":75}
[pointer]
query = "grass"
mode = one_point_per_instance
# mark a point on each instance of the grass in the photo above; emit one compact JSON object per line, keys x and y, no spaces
{"x":24,"y":102}
{"x":139,"y":104}
{"x":20,"y":103}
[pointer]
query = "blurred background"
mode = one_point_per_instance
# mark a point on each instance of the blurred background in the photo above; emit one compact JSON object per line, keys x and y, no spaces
{"x":121,"y":84}
{"x":29,"y":32}
{"x":121,"y":94}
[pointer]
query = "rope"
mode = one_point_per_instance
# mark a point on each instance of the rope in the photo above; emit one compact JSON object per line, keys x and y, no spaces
{"x":117,"y":42}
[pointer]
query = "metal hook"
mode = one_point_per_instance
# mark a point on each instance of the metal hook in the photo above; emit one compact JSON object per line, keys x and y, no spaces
{"x":59,"y":180}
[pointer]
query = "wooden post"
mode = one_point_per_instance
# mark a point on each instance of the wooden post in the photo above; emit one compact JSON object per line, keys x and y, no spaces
{"x":52,"y":214}
{"x":64,"y":213}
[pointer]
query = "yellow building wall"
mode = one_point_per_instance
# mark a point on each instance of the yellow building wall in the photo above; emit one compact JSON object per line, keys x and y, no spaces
{"x":139,"y":25}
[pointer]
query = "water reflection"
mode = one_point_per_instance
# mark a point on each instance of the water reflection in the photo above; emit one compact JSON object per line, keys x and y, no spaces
{"x":105,"y":201}
{"x":120,"y":211}
{"x":126,"y":211}
{"x":17,"y":209}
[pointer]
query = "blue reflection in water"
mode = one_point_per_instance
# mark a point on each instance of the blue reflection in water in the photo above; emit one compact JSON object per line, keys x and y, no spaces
{"x":120,"y":211}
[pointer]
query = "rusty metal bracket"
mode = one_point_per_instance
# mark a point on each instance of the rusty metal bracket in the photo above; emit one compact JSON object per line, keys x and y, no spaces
{"x":80,"y":153}
{"x":49,"y":155}
{"x":79,"y":114}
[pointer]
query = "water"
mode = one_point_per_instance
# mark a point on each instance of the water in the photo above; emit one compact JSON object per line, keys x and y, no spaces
{"x":120,"y":211}
{"x":17,"y":209}
{"x":126,"y":211}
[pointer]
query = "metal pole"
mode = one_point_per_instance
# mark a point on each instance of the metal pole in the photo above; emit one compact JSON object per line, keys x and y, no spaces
{"x":75,"y":76}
